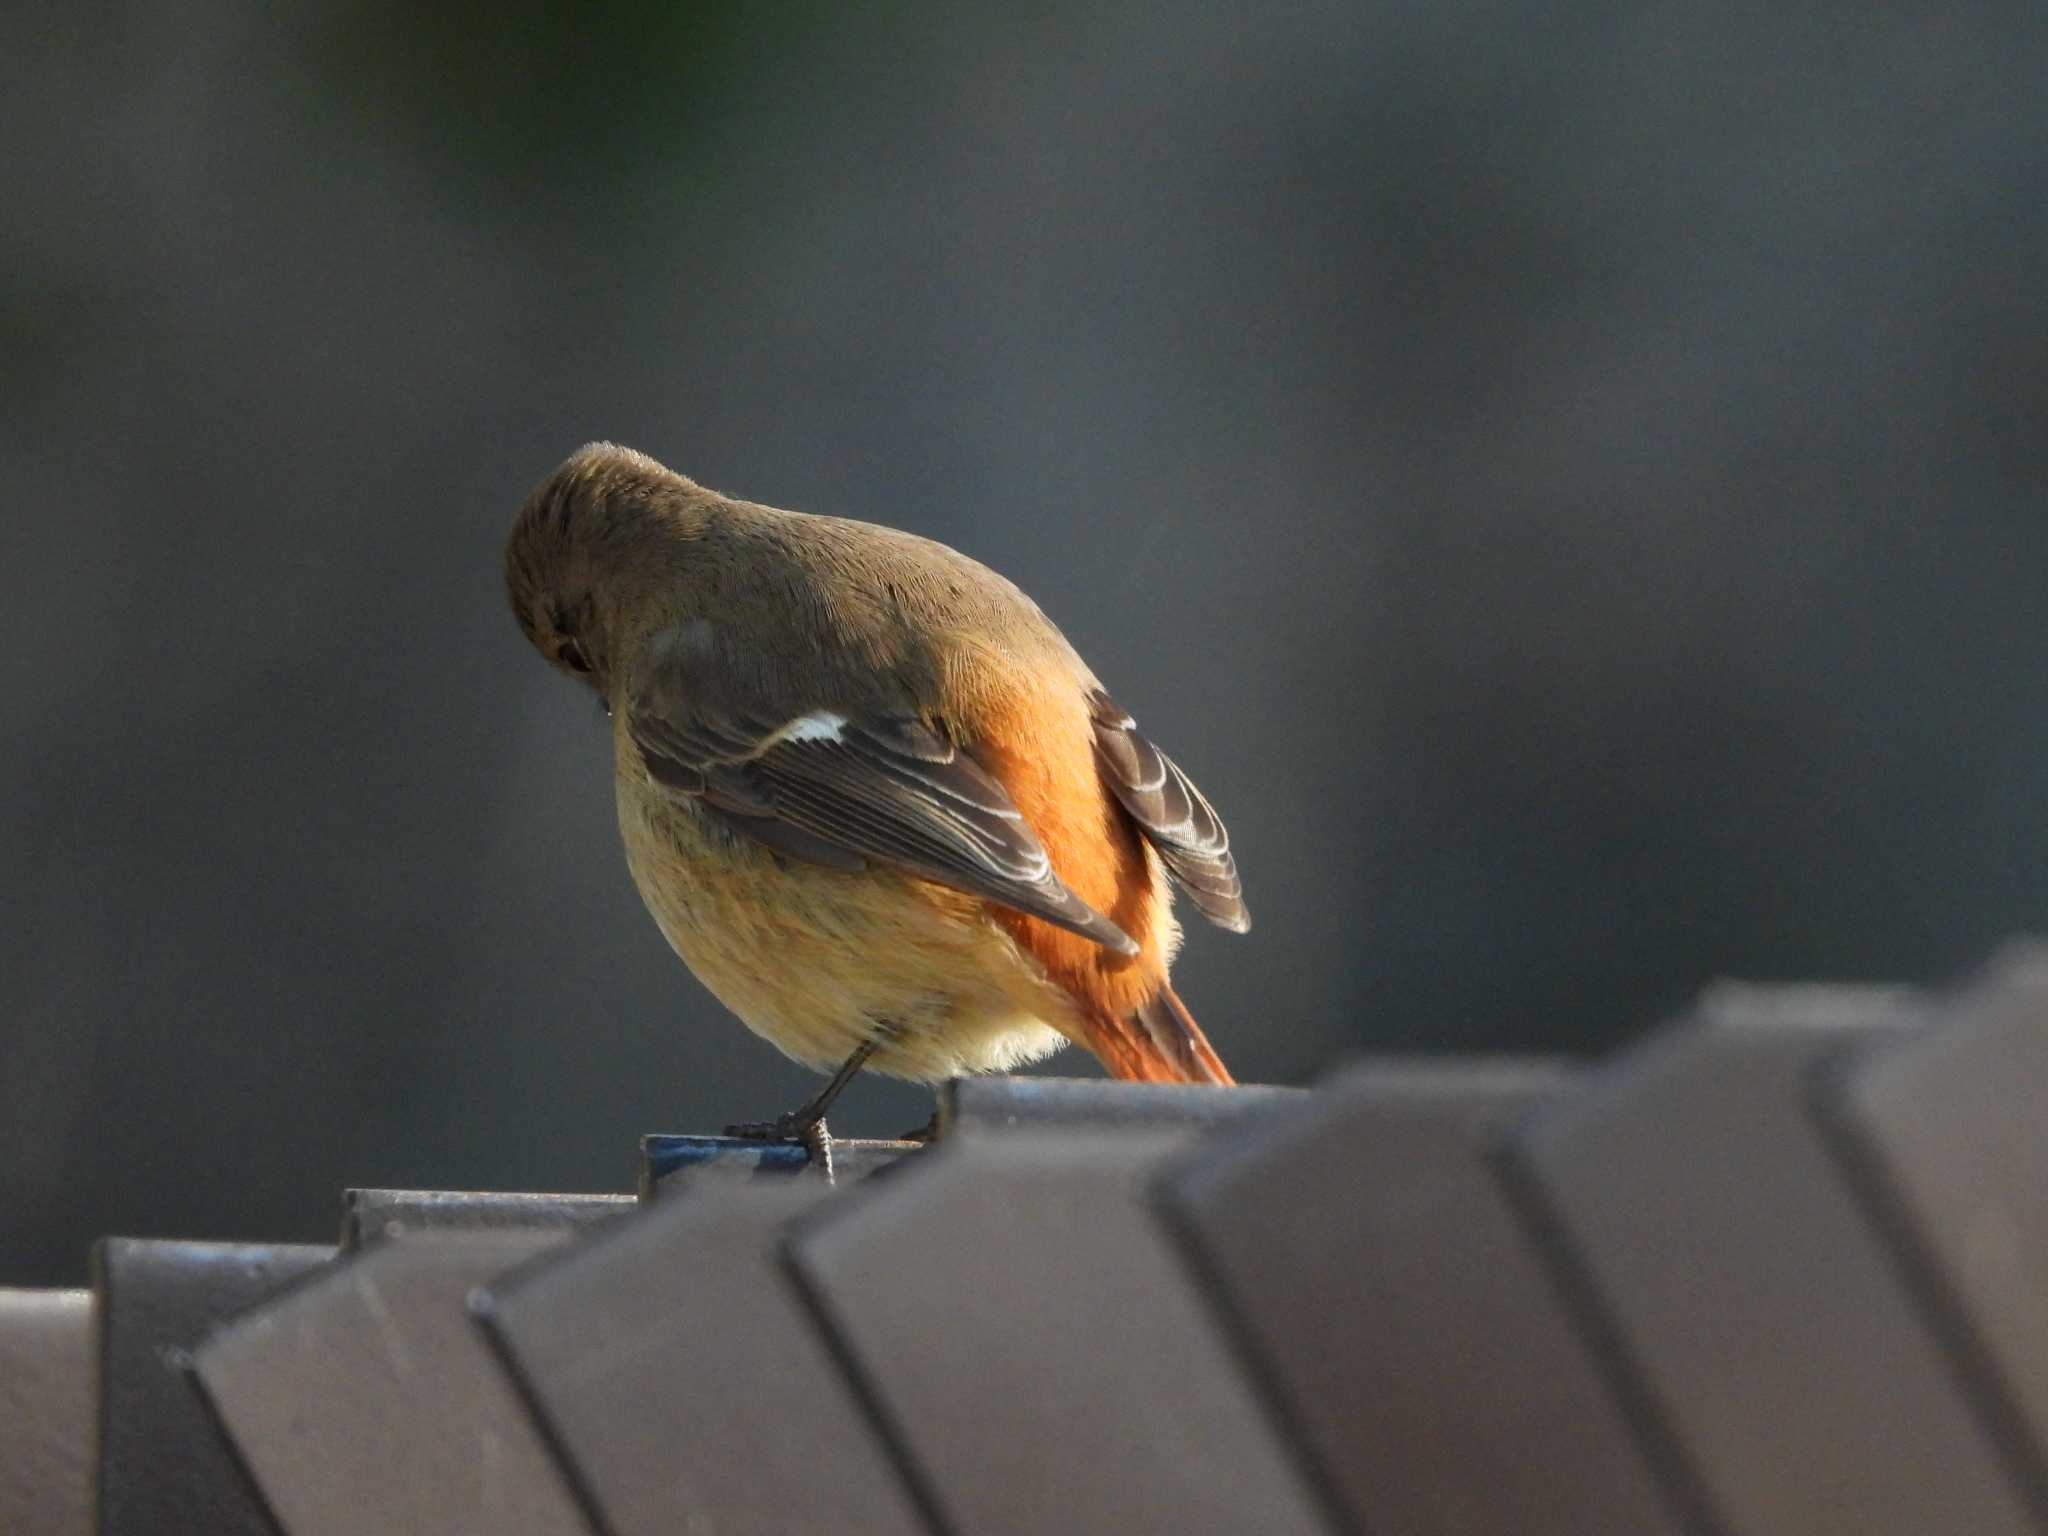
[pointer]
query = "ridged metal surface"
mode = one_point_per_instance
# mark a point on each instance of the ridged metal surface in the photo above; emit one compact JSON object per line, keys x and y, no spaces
{"x":1776,"y":1271}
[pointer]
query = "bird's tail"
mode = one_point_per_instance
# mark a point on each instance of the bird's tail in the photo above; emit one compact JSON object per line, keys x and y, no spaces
{"x":1159,"y":1042}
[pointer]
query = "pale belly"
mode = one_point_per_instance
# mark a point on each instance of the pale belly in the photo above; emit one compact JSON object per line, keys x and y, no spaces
{"x":815,"y":961}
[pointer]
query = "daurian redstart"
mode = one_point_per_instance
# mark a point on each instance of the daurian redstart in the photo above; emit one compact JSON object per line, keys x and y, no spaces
{"x":870,"y":794}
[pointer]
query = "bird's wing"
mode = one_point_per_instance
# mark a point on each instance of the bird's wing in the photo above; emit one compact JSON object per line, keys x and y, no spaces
{"x":1174,"y":816}
{"x":846,"y":788}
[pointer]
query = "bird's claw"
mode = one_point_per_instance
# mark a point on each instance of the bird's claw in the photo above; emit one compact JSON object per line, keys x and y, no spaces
{"x":804,"y":1130}
{"x":794,"y":1127}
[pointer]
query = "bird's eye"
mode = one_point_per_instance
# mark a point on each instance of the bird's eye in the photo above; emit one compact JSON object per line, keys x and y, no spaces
{"x":570,"y":654}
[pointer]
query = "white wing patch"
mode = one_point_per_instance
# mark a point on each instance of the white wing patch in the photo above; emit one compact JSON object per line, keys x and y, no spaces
{"x":819,"y":725}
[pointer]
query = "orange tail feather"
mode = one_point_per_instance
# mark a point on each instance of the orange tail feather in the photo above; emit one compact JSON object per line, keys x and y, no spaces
{"x":1159,"y":1042}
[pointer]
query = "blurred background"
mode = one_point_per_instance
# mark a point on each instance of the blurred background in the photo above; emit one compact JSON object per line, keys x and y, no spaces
{"x":1571,"y":484}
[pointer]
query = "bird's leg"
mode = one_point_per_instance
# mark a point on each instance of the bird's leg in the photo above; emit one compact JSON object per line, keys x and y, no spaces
{"x":924,"y":1134}
{"x":807,"y":1125}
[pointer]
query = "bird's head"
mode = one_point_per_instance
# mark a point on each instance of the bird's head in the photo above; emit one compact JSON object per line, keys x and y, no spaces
{"x":587,"y":548}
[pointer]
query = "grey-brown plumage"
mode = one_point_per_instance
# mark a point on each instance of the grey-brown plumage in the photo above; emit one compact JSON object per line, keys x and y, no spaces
{"x":869,"y":792}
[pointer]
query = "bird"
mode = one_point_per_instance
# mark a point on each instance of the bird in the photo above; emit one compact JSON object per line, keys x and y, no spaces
{"x":868,"y":792}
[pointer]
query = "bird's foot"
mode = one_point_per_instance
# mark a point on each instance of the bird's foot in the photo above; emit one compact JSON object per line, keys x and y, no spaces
{"x":928,"y":1132}
{"x":796,"y":1126}
{"x":803,"y":1128}
{"x":799,"y":1127}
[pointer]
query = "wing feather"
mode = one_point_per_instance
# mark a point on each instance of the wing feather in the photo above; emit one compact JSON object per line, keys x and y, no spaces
{"x":842,"y":788}
{"x":1174,"y":815}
